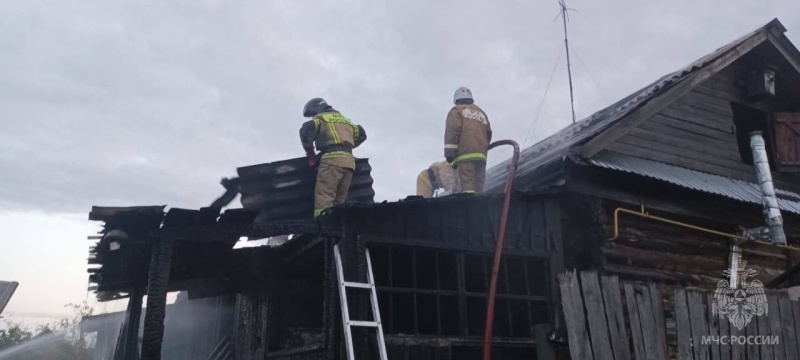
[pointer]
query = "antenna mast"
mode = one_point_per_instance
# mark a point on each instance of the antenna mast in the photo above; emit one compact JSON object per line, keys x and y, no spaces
{"x":566,"y":44}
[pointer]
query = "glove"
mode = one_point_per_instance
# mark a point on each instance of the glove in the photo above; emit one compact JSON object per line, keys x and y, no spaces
{"x":312,"y":158}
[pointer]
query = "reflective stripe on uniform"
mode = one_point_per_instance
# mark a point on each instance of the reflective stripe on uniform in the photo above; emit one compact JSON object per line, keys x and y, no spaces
{"x":330,"y":119}
{"x":334,"y":135}
{"x":451,"y":146}
{"x":338,"y":154}
{"x":470,"y":156}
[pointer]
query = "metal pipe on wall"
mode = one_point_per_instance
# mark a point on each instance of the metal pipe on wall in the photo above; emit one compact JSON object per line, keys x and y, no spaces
{"x":735,"y":256}
{"x":772,"y":212}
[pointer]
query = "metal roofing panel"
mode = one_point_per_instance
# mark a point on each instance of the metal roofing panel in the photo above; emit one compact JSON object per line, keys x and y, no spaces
{"x":7,"y":289}
{"x":555,"y":146}
{"x":714,"y":184}
{"x":284,"y":190}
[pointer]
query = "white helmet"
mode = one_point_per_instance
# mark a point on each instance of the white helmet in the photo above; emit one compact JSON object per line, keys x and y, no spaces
{"x":462,"y":93}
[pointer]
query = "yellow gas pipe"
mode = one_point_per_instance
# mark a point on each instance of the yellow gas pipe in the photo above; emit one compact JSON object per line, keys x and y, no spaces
{"x":646,"y":215}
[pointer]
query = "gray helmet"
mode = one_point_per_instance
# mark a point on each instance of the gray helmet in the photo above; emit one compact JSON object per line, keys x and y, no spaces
{"x":462,"y":93}
{"x":314,"y":107}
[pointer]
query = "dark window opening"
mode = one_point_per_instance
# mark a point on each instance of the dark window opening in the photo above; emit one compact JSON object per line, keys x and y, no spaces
{"x":443,"y":293}
{"x":747,"y":120}
{"x":295,"y":317}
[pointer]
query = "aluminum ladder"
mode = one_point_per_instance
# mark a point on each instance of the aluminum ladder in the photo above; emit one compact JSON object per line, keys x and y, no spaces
{"x":346,"y":322}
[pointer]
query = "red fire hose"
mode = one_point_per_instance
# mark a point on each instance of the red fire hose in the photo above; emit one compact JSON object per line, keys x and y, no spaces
{"x":498,"y":250}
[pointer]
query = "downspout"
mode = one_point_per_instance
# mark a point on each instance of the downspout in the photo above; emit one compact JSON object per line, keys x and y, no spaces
{"x":772,"y":213}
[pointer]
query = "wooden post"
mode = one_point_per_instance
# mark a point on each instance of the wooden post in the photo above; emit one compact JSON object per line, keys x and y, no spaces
{"x":331,"y":316}
{"x":156,"y":299}
{"x":129,"y":349}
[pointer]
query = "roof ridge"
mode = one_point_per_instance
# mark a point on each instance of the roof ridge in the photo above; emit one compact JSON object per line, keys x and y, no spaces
{"x":549,"y":148}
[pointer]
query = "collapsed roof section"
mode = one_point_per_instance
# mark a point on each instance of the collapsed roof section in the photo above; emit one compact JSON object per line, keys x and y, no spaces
{"x":277,"y":199}
{"x":284,"y":190}
{"x":123,"y":248}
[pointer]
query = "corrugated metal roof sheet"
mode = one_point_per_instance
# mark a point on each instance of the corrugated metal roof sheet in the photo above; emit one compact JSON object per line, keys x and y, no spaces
{"x":284,"y":190}
{"x":692,"y":179}
{"x":7,"y":289}
{"x":555,"y":146}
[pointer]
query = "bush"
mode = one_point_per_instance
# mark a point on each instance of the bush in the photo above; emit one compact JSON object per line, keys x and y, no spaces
{"x":60,"y":340}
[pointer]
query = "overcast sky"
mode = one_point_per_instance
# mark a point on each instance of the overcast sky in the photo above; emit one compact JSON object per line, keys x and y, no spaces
{"x":121,"y":103}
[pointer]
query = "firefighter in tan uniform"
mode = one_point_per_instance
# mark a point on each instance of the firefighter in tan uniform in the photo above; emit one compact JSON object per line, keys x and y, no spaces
{"x":439,"y":175}
{"x":466,"y":141}
{"x":335,"y":137}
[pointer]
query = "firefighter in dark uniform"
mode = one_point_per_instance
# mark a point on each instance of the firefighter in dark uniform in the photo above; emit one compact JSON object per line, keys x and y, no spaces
{"x":466,"y":141}
{"x":335,"y":136}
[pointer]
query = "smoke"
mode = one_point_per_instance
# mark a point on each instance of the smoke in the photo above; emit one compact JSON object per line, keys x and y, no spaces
{"x":39,"y":344}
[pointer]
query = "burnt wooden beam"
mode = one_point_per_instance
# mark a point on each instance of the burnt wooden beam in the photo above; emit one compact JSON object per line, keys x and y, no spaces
{"x":633,"y":119}
{"x":331,"y":315}
{"x":157,"y":286}
{"x":416,"y":242}
{"x":302,"y":250}
{"x":232,"y":232}
{"x":554,"y":245}
{"x":128,"y":348}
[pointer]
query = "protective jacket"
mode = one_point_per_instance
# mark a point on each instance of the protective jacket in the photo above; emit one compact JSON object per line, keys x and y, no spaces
{"x":335,"y":137}
{"x":439,"y":175}
{"x":467,"y":134}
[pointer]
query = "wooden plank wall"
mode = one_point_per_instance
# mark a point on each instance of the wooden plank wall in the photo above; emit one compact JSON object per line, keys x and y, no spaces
{"x":649,"y":250}
{"x":609,"y":319}
{"x":599,"y":303}
{"x":697,"y":132}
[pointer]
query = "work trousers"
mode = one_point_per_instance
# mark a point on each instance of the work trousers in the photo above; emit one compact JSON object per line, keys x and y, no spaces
{"x":471,"y":176}
{"x":333,"y":183}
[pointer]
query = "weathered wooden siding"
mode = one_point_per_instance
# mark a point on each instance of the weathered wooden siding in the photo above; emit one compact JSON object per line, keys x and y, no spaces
{"x":697,"y":130}
{"x":657,"y":251}
{"x":651,"y":250}
{"x":681,"y":324}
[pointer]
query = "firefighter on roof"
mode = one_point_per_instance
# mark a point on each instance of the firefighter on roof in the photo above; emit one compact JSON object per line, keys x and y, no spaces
{"x":335,"y":137}
{"x":466,"y":141}
{"x":439,"y":175}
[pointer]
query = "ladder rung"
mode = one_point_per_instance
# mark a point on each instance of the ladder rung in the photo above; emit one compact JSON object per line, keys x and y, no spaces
{"x":363,"y":323}
{"x":357,"y":285}
{"x":348,"y":324}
